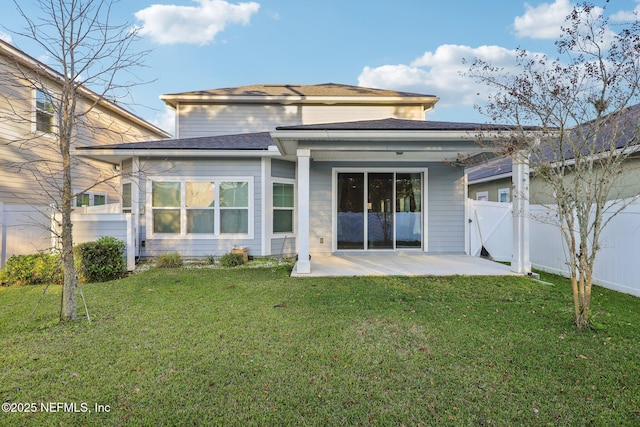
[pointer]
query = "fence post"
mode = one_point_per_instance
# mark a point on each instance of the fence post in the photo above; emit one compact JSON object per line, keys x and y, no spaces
{"x":3,"y":237}
{"x":520,"y":261}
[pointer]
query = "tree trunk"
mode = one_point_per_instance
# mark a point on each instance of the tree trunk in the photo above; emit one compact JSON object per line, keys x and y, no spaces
{"x":70,"y":277}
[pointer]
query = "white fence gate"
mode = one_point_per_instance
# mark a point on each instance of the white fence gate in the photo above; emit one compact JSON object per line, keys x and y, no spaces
{"x":617,"y":264}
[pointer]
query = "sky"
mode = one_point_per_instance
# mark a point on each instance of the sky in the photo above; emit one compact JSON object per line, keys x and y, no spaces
{"x":407,"y":45}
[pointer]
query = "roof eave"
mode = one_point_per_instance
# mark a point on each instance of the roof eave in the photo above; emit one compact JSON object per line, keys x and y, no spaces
{"x":115,"y":156}
{"x":174,"y":100}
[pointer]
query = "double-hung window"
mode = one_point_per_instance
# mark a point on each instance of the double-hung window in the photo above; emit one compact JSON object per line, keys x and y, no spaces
{"x":200,"y":206}
{"x":126,"y":197}
{"x":211,"y":207}
{"x":44,"y":112}
{"x":283,"y":204}
{"x":234,"y":207}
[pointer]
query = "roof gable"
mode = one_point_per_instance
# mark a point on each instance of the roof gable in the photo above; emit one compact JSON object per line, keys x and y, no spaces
{"x":320,"y":94}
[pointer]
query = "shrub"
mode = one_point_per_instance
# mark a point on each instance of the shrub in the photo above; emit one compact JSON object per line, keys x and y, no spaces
{"x":172,"y":260}
{"x":231,"y":260}
{"x":33,"y":269}
{"x":101,"y":260}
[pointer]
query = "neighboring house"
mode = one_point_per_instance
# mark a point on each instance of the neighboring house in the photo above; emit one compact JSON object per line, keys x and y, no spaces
{"x":28,"y":166}
{"x":286,"y":170}
{"x":492,"y":181}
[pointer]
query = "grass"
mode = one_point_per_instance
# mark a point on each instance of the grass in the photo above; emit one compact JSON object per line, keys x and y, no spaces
{"x":252,"y":346}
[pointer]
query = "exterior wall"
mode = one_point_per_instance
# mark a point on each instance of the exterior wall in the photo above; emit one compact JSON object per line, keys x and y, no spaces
{"x":280,"y":244}
{"x":30,"y":161}
{"x":188,"y":245}
{"x":285,"y":246}
{"x":195,"y":120}
{"x":446,"y":207}
{"x":445,"y":204}
{"x":283,"y":169}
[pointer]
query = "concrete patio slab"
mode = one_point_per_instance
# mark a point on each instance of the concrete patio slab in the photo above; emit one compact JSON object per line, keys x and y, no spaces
{"x":402,"y":264}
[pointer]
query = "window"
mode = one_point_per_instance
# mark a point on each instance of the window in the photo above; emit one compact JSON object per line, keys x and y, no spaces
{"x":199,"y":207}
{"x":90,"y":199}
{"x":44,"y":112}
{"x":503,"y":195}
{"x":482,"y":195}
{"x":283,"y":208}
{"x":126,"y":196}
{"x":234,"y":207}
{"x":166,"y":200}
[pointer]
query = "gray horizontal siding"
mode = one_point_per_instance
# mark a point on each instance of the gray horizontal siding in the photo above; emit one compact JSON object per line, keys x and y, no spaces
{"x":198,"y":167}
{"x":283,"y":246}
{"x":283,"y":169}
{"x":445,"y":204}
{"x":446,"y":207}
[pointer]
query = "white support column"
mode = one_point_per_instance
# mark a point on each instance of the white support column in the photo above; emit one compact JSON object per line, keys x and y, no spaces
{"x":520,"y":260}
{"x":135,"y":202}
{"x":303,"y":266}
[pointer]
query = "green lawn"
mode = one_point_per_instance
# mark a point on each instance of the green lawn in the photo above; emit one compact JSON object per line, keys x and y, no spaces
{"x":252,"y":346}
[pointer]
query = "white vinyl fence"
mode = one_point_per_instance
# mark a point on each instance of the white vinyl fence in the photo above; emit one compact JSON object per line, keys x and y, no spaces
{"x":27,"y":229}
{"x":617,"y":263}
{"x":91,"y":223}
{"x":23,"y":230}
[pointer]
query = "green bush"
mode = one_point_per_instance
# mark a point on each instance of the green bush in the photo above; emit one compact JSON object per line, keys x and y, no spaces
{"x":172,"y":260}
{"x":101,"y":260}
{"x":231,"y":260}
{"x":33,"y":269}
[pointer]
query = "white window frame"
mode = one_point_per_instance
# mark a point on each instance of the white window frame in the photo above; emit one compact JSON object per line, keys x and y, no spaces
{"x":294,"y":209}
{"x":36,"y":110}
{"x":504,"y":191}
{"x":482,"y":196}
{"x":126,"y":209}
{"x":217,"y":235}
{"x":91,"y":195}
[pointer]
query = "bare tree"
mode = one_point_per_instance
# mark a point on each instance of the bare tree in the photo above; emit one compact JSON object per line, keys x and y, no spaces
{"x":86,"y":51}
{"x":584,"y":102}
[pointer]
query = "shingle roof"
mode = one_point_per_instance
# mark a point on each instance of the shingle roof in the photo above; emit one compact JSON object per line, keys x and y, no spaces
{"x":285,"y":90}
{"x":400,"y":124}
{"x":618,"y":130}
{"x":494,"y":167}
{"x":246,"y":141}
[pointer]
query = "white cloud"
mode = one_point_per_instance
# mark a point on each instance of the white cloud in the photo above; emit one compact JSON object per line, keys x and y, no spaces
{"x":165,"y":120}
{"x":173,"y":24}
{"x":543,"y":21}
{"x":440,"y":73}
{"x":6,"y":37}
{"x":623,"y":15}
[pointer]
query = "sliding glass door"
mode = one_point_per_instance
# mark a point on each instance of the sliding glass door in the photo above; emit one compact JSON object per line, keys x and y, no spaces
{"x":379,"y":210}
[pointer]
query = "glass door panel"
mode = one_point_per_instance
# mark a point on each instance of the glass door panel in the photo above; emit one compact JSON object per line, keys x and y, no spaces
{"x":380,"y":211}
{"x":408,"y":210}
{"x":350,"y":215}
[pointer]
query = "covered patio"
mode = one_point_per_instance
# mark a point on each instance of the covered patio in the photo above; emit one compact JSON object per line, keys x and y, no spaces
{"x":403,"y":264}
